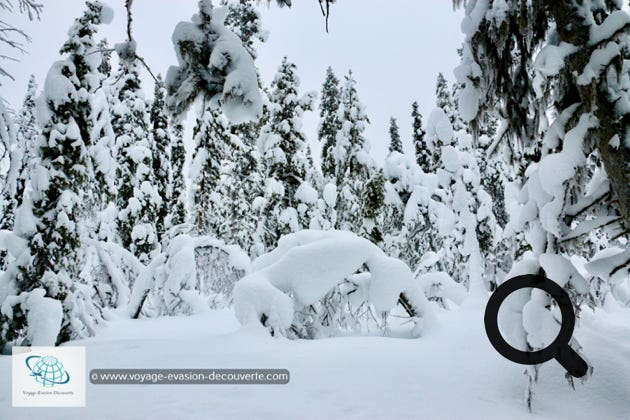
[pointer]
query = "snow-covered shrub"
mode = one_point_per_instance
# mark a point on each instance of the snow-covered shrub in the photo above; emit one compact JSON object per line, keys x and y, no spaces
{"x":316,"y":279}
{"x":198,"y":273}
{"x":113,"y":270}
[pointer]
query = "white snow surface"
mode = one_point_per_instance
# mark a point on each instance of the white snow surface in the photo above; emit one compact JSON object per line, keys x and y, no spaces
{"x":451,"y":372}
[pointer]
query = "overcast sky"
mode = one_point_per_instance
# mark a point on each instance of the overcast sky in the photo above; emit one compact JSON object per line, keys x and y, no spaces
{"x":395,"y":49}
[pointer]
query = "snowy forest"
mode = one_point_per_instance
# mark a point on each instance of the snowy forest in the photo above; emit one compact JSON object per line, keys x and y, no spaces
{"x":199,"y":196}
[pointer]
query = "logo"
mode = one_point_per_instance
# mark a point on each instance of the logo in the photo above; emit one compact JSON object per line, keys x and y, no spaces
{"x":47,"y":370}
{"x":48,"y":376}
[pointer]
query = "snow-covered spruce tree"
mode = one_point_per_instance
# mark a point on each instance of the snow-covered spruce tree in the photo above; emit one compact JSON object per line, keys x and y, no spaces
{"x":446,"y":102}
{"x":353,"y":160}
{"x":283,"y":150}
{"x":468,"y":228}
{"x":395,"y":143}
{"x":215,"y":68}
{"x":138,"y":199}
{"x":559,"y":72}
{"x":240,"y":185}
{"x":21,"y":159}
{"x":372,"y":208}
{"x":211,"y":145}
{"x":52,"y":214}
{"x":241,"y":178}
{"x":160,"y":141}
{"x":323,"y":215}
{"x":177,"y":187}
{"x":443,"y":97}
{"x":414,"y":214}
{"x":396,"y":192}
{"x":424,"y":156}
{"x":103,"y":152}
{"x":330,"y":125}
{"x":7,"y":204}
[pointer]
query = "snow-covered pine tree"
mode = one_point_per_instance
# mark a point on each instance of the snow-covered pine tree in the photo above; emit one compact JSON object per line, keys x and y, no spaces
{"x":330,"y":125}
{"x":138,"y":199}
{"x":160,"y":141}
{"x":424,"y":156}
{"x":52,"y":215}
{"x":353,"y":159}
{"x":395,"y":143}
{"x":283,"y":150}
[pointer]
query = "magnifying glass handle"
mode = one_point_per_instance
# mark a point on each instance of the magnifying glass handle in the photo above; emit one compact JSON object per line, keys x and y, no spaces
{"x":571,"y":361}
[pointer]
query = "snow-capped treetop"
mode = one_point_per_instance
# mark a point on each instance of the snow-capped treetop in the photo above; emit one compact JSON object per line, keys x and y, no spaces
{"x":424,"y":155}
{"x":395,"y":143}
{"x":81,"y":43}
{"x":244,"y":20}
{"x":213,"y":65}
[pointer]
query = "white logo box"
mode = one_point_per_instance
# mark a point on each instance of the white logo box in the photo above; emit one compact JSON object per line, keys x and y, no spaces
{"x":48,"y":376}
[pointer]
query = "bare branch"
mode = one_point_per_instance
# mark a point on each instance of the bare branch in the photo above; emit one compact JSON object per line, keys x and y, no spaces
{"x":147,"y":67}
{"x":128,"y":4}
{"x":31,"y":8}
{"x":8,"y":32}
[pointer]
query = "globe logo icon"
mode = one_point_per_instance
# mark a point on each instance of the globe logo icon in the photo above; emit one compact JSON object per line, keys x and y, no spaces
{"x":47,"y":370}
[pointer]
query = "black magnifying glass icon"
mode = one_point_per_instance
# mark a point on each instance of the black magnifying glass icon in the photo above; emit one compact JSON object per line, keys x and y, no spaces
{"x":559,"y":349}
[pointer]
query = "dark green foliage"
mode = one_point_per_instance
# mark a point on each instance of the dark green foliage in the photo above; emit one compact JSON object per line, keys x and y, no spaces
{"x":373,"y":205}
{"x":424,"y":157}
{"x":59,"y":202}
{"x":160,"y":144}
{"x":211,"y":137}
{"x":177,"y":195}
{"x":395,"y":143}
{"x":330,"y":124}
{"x":105,"y":68}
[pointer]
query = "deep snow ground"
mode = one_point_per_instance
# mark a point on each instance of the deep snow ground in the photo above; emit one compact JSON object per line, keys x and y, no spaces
{"x":450,"y":372}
